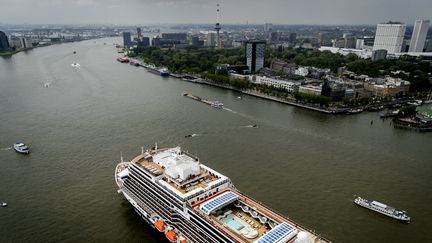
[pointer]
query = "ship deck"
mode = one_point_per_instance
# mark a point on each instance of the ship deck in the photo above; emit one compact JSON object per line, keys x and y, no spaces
{"x":242,"y":218}
{"x":235,"y":220}
{"x":183,"y":186}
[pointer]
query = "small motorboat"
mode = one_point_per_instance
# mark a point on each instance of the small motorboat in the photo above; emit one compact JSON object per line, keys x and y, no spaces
{"x":3,"y":204}
{"x":21,"y":148}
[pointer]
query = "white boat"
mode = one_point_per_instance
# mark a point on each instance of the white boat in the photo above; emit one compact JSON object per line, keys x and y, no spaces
{"x":217,"y":104}
{"x":383,"y":209}
{"x":3,"y":204}
{"x":21,"y":148}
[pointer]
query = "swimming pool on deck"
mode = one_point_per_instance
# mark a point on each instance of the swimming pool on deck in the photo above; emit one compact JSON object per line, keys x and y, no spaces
{"x":232,"y":223}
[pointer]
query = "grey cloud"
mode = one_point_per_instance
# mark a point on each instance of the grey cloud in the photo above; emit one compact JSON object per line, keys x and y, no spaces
{"x":203,"y":11}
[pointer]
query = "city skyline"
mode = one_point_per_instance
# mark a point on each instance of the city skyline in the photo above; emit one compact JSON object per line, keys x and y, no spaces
{"x":329,"y":12}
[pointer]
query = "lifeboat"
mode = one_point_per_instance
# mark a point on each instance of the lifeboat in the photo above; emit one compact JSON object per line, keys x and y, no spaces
{"x":160,"y":225}
{"x":171,"y":235}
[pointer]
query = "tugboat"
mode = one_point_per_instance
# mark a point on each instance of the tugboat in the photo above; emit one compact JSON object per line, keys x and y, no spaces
{"x":383,"y":209}
{"x":21,"y":148}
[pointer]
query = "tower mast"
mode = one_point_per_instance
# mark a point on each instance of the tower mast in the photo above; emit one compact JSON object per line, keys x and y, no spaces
{"x":217,"y":27}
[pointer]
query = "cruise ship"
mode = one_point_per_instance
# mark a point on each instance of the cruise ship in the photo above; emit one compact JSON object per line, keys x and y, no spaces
{"x":383,"y":209}
{"x":190,"y":202}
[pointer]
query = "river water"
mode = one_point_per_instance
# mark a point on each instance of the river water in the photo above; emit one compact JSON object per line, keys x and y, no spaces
{"x":304,"y":164}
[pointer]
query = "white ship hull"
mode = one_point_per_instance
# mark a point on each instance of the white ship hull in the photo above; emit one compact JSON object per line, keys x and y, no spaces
{"x":204,"y":208}
{"x":382,"y":209}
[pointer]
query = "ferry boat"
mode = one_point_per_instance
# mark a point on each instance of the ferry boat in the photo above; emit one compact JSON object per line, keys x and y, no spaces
{"x":383,"y":209}
{"x":190,"y":202}
{"x":123,"y":59}
{"x":21,"y":148}
{"x":159,"y":71}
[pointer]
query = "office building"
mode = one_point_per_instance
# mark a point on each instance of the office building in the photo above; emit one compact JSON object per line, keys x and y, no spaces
{"x":255,"y":53}
{"x":293,"y":38}
{"x":211,"y":39}
{"x":379,"y":55}
{"x":127,"y":41}
{"x":175,"y":36}
{"x":268,"y":27}
{"x":139,"y":33}
{"x":196,"y":42}
{"x":389,"y":37}
{"x":143,"y":42}
{"x":4,"y":42}
{"x":15,"y":42}
{"x":418,"y":38}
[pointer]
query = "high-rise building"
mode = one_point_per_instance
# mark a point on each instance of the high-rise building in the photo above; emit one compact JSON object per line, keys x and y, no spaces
{"x":4,"y":43}
{"x":255,"y":53}
{"x":139,"y":33}
{"x":211,"y":39}
{"x":418,"y":38}
{"x":127,"y":41}
{"x":389,"y":37}
{"x":293,"y":38}
{"x":143,"y":42}
{"x":268,"y":27}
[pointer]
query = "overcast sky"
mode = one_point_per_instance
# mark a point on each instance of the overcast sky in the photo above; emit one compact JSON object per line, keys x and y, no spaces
{"x":144,"y":12}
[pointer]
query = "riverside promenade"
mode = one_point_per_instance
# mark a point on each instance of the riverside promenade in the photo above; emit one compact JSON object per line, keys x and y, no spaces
{"x":261,"y":95}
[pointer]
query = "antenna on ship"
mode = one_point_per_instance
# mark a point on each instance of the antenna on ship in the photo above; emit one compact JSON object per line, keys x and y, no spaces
{"x":121,"y":157}
{"x":156,"y":146}
{"x":142,"y":150}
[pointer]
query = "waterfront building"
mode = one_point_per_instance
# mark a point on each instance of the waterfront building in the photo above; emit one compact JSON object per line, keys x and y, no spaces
{"x":386,"y":86}
{"x":15,"y":42}
{"x":333,"y":90}
{"x":390,"y":37}
{"x":379,"y":55}
{"x":4,"y":42}
{"x":127,"y":41}
{"x":302,"y":71}
{"x":255,"y":53}
{"x":310,"y":89}
{"x":419,"y":34}
{"x":288,"y":85}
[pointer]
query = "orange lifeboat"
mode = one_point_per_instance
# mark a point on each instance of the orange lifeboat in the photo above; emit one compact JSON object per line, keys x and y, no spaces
{"x":160,"y":225}
{"x":183,"y":241}
{"x":171,"y":235}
